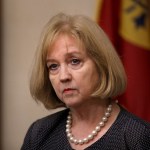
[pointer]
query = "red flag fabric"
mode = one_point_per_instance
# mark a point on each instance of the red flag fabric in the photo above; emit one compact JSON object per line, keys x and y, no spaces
{"x":127,"y":23}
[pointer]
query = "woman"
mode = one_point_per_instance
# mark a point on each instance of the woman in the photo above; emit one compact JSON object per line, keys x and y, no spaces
{"x":77,"y":67}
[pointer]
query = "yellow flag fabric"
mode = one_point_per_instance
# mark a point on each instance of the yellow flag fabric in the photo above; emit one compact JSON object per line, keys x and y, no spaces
{"x":134,"y":23}
{"x":127,"y":23}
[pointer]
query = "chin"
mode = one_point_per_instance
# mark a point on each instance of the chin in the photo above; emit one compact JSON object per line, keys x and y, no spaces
{"x":73,"y":104}
{"x":72,"y":101}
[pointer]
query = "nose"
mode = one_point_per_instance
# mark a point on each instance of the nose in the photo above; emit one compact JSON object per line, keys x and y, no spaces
{"x":64,"y":74}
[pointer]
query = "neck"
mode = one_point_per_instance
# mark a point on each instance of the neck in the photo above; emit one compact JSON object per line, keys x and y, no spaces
{"x":85,"y":134}
{"x":86,"y":112}
{"x":81,"y":132}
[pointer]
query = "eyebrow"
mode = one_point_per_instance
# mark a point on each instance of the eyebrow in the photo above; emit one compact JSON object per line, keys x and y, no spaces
{"x":70,"y":53}
{"x":50,"y":60}
{"x":67,"y":54}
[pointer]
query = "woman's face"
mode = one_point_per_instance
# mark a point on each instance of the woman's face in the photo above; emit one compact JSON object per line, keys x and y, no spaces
{"x":72,"y":72}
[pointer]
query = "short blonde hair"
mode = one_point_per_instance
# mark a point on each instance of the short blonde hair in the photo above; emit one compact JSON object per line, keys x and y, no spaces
{"x":99,"y":48}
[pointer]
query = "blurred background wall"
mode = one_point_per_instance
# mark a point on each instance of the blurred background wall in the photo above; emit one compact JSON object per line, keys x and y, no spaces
{"x":22,"y":23}
{"x":0,"y":65}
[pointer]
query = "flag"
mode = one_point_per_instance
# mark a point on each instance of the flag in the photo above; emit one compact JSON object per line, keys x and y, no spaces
{"x":127,"y":23}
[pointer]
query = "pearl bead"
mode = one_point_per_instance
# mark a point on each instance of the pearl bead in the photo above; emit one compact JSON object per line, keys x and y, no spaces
{"x":69,"y":135}
{"x":75,"y":141}
{"x":85,"y":140}
{"x":71,"y":139}
{"x":104,"y":119}
{"x":94,"y":132}
{"x":107,"y":114}
{"x":101,"y":124}
{"x":109,"y":109}
{"x":68,"y":130}
{"x":90,"y":137}
{"x":110,"y":106}
{"x":68,"y":121}
{"x":69,"y":117}
{"x":81,"y":142}
{"x":68,"y":126}
{"x":97,"y":128}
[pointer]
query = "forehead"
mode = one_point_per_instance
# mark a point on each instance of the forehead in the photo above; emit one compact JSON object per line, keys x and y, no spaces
{"x":68,"y":42}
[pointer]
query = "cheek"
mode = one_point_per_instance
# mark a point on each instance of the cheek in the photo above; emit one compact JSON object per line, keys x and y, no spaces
{"x":53,"y":82}
{"x":56,"y":87}
{"x":89,"y":80}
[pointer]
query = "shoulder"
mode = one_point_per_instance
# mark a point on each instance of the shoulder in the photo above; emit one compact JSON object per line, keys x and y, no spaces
{"x":42,"y":127}
{"x":52,"y":118}
{"x":133,"y":121}
{"x":49,"y":122}
{"x":136,"y":130}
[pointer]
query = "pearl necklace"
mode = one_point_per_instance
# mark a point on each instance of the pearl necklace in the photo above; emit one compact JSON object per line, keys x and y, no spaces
{"x":94,"y":132}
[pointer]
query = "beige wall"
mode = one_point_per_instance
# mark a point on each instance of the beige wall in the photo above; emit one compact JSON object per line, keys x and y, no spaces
{"x":23,"y":21}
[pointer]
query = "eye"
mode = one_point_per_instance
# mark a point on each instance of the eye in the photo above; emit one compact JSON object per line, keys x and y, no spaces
{"x":75,"y":61}
{"x":53,"y":67}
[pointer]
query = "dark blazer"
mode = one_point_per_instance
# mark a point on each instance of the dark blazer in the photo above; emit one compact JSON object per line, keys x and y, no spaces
{"x":127,"y":132}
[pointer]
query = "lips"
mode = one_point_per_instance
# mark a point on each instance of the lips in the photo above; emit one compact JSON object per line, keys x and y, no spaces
{"x":67,"y":90}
